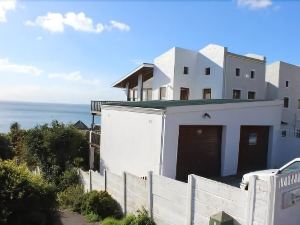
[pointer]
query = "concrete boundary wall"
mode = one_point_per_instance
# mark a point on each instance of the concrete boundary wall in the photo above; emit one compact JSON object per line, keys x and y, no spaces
{"x":171,"y":202}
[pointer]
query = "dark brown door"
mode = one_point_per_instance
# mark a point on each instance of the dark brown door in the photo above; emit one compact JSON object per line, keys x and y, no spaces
{"x":184,"y":94}
{"x":253,"y":151}
{"x":199,"y":151}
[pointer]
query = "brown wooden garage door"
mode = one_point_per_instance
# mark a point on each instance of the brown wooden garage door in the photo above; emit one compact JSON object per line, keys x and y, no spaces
{"x":199,"y":151}
{"x":253,"y":151}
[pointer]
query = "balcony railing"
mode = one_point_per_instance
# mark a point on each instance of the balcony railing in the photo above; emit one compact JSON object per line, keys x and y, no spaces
{"x":96,"y":105}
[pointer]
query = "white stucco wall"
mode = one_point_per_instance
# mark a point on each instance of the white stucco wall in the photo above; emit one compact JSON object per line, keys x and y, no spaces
{"x":130,"y":141}
{"x":231,"y":117}
{"x":244,"y":82}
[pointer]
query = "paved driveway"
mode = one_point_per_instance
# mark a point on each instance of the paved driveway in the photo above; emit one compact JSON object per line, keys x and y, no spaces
{"x":71,"y":218}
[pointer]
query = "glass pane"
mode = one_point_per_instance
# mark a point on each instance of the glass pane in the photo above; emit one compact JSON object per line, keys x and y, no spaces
{"x":294,"y":166}
{"x":252,"y":139}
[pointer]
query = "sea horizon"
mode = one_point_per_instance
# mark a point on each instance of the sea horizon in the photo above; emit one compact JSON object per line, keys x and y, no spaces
{"x":31,"y":114}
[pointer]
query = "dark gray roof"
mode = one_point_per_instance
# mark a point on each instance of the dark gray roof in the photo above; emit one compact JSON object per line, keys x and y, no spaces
{"x":80,"y":125}
{"x":160,"y":104}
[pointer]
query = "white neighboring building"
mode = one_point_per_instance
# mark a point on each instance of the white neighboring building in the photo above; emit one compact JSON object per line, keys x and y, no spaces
{"x":211,"y":73}
{"x":283,"y":82}
{"x":176,"y":138}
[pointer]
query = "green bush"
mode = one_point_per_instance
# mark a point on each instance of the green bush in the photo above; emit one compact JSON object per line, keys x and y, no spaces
{"x":92,"y":217}
{"x":100,"y":203}
{"x":69,"y":178}
{"x":25,"y":198}
{"x":141,"y":218}
{"x":71,"y":198}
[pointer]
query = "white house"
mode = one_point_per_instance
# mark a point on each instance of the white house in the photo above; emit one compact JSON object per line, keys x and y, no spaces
{"x":283,"y":82}
{"x":176,"y":138}
{"x":212,"y":72}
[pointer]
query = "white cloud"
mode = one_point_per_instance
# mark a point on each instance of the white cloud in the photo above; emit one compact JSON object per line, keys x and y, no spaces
{"x":74,"y":77}
{"x":255,"y":4}
{"x":39,"y":38}
{"x":56,"y":22}
{"x":6,"y":5}
{"x":119,"y":26}
{"x":9,"y":67}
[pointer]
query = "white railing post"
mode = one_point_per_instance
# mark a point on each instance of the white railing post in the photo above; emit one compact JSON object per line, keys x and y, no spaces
{"x":150,"y":194}
{"x":271,"y":199}
{"x":189,"y":203}
{"x":251,"y":199}
{"x":124,"y":194}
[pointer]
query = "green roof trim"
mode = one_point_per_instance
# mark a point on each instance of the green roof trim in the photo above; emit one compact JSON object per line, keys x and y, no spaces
{"x":162,"y":104}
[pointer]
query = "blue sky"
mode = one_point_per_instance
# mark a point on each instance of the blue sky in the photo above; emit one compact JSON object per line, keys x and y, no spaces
{"x":72,"y":51}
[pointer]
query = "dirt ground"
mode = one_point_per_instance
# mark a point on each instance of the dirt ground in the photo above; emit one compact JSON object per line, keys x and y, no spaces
{"x":71,"y":218}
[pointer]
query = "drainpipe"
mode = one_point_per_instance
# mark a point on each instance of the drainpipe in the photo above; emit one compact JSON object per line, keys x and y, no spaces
{"x":162,"y":142}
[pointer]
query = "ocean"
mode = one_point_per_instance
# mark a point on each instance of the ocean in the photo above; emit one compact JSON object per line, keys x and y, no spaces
{"x":29,"y":115}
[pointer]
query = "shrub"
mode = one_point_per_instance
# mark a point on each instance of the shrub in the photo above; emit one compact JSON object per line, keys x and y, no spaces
{"x":71,"y":198}
{"x":111,"y":221}
{"x":69,"y":178}
{"x":25,"y":198}
{"x":100,"y":203}
{"x":141,"y":218}
{"x":128,"y":220}
{"x":92,"y":217}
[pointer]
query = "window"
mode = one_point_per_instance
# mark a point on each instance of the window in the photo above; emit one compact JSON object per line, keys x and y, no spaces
{"x":287,"y":84}
{"x":283,"y":133}
{"x":185,"y":70}
{"x":147,"y":94}
{"x":237,"y":72}
{"x":162,"y":93}
{"x":252,"y":139}
{"x":298,"y":103}
{"x":252,"y":74}
{"x":184,"y":93}
{"x":297,"y":133}
{"x":134,"y":95}
{"x":236,"y":94}
{"x":251,"y":95}
{"x":207,"y":93}
{"x":207,"y":71}
{"x":290,"y":168}
{"x":285,"y":102}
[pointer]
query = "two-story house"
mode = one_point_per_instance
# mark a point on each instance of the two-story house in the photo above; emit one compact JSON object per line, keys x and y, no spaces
{"x":211,"y":73}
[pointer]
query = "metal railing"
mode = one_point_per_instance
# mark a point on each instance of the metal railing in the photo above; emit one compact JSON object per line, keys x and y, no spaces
{"x":96,"y":105}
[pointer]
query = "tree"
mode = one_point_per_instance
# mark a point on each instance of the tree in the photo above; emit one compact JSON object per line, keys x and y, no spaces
{"x":6,"y":150}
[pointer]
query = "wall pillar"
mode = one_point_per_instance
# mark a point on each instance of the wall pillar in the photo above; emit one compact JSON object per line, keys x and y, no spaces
{"x":140,"y":88}
{"x":127,"y":92}
{"x":273,"y":160}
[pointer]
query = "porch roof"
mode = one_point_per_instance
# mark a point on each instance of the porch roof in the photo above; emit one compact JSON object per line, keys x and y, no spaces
{"x":146,"y":69}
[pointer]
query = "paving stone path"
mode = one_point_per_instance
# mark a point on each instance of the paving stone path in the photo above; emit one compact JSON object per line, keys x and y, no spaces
{"x":70,"y":218}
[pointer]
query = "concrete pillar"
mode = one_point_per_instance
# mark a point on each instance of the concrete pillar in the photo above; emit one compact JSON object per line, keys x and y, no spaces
{"x":230,"y":149}
{"x":124,"y":203}
{"x":150,"y":194}
{"x":273,"y":147}
{"x":190,"y":186}
{"x":127,"y":92}
{"x":92,"y":154}
{"x":140,"y":88}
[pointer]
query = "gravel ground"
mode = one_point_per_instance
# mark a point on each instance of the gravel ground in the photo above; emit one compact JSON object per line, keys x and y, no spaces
{"x":71,"y":218}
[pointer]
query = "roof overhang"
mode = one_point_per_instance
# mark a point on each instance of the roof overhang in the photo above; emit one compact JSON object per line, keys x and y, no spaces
{"x":145,"y":69}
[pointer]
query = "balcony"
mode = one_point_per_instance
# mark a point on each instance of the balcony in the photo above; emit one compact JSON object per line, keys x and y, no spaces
{"x":96,"y":106}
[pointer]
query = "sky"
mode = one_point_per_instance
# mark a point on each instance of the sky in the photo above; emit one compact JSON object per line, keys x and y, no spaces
{"x":73,"y":51}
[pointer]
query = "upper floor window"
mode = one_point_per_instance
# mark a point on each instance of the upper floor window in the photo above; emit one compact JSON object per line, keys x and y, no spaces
{"x":207,"y":93}
{"x":162,"y":93}
{"x":237,"y":72}
{"x":252,"y":74}
{"x":207,"y":71}
{"x":185,"y":70}
{"x":285,"y":102}
{"x":287,"y":83}
{"x":251,"y":95}
{"x":236,"y":94}
{"x":184,"y":93}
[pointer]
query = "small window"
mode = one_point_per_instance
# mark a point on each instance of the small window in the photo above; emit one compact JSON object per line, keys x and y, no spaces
{"x":162,"y":93}
{"x":252,"y":139}
{"x":184,"y":93}
{"x":236,"y":94}
{"x":252,"y":74}
{"x":251,"y":95}
{"x":207,"y":93}
{"x":283,"y":133}
{"x":185,"y":70}
{"x":237,"y":72}
{"x":298,"y":103}
{"x":287,"y":84}
{"x":207,"y":71}
{"x":297,"y":133}
{"x":285,"y":102}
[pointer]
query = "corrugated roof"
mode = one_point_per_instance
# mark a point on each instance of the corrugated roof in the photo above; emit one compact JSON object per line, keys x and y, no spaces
{"x":159,"y":104}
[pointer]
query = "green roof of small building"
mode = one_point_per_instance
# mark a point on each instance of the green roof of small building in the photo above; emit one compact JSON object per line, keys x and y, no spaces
{"x":161,"y":104}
